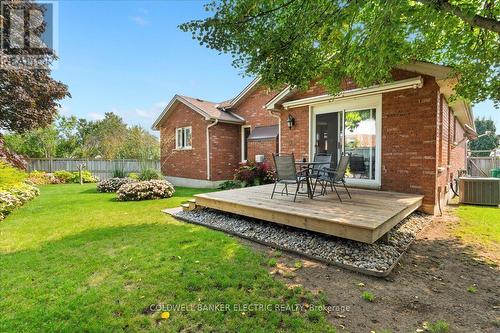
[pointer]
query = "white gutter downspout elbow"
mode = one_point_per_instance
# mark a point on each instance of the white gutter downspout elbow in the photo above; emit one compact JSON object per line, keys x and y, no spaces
{"x":208,"y":146}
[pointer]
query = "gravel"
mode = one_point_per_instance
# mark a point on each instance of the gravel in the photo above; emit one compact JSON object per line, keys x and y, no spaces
{"x":375,"y":259}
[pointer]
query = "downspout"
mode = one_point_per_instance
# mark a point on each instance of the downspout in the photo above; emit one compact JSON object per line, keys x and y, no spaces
{"x":208,"y":147}
{"x":272,"y":114}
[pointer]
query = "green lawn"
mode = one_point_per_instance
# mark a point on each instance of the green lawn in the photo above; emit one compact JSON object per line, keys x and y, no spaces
{"x":75,"y":260}
{"x":480,"y":226}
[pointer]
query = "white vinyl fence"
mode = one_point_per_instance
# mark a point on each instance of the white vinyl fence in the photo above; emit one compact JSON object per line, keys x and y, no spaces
{"x":103,"y":169}
{"x":481,"y":166}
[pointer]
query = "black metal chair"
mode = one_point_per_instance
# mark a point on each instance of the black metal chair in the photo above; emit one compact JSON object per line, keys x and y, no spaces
{"x":334,"y":177}
{"x":318,"y":170}
{"x":286,"y":173}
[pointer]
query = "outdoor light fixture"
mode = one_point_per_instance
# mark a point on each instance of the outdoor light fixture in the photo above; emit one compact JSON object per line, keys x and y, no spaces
{"x":290,"y":121}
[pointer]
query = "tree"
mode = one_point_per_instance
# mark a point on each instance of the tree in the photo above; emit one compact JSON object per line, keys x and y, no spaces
{"x":70,"y":137}
{"x":298,"y":41}
{"x":487,"y":142}
{"x":28,"y":96}
{"x":140,"y":144}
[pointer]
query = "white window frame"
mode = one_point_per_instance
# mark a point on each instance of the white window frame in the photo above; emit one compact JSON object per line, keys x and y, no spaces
{"x":183,"y":145}
{"x":243,"y":140}
{"x":366,"y":102}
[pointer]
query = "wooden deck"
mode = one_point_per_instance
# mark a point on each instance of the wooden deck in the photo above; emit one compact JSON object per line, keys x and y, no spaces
{"x":366,"y":217}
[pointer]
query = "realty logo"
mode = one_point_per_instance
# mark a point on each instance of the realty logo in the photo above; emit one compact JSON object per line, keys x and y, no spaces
{"x":27,"y":33}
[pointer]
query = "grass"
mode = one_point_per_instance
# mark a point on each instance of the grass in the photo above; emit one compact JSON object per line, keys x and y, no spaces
{"x":77,"y":260}
{"x":439,"y":326}
{"x":367,"y":296}
{"x":478,"y":226}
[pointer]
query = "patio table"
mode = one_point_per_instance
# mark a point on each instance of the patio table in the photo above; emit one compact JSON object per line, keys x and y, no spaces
{"x":307,"y":167}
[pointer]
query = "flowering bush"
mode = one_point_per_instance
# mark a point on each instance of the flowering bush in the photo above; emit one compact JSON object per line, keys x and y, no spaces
{"x":252,"y":174}
{"x":113,"y":184}
{"x":145,"y":190}
{"x":64,"y":176}
{"x":14,"y":191}
{"x":43,"y":178}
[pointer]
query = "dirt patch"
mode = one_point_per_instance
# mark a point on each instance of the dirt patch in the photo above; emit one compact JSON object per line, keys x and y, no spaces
{"x":439,"y":278}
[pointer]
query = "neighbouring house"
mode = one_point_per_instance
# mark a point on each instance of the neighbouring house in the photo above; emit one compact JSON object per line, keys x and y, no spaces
{"x":400,"y":135}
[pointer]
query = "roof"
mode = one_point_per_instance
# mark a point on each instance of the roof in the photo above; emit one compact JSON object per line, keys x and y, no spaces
{"x":207,"y":109}
{"x":264,"y":133}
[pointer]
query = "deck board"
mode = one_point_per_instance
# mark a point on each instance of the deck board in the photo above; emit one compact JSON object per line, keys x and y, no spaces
{"x":366,"y":217}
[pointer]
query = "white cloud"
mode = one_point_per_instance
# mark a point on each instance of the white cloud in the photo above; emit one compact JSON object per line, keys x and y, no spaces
{"x":95,"y":116}
{"x":139,"y":20}
{"x":152,"y":111}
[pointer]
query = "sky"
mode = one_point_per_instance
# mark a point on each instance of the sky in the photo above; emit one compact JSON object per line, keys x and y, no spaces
{"x":130,"y":58}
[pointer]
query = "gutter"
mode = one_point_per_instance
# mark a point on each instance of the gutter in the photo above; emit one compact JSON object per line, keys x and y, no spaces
{"x":208,"y":146}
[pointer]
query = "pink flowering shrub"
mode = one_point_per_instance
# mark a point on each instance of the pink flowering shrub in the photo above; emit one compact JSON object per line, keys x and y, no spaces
{"x":145,"y":190}
{"x":113,"y":184}
{"x":252,"y":174}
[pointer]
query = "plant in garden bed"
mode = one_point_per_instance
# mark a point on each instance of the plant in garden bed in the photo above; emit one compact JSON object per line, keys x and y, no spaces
{"x":149,"y":174}
{"x":43,"y":178}
{"x":253,"y":174}
{"x":14,"y":191}
{"x":145,"y":190}
{"x":113,"y":184}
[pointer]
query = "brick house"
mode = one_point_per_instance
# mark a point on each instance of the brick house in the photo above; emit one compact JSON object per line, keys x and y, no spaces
{"x":402,"y":136}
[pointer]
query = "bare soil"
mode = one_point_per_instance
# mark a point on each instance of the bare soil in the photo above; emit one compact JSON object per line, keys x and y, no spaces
{"x":430,"y":283}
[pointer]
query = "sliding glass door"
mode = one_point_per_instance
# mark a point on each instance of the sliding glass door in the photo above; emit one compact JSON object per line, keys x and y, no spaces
{"x":350,"y":128}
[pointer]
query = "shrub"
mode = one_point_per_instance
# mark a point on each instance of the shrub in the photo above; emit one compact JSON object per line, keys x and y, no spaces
{"x":43,"y":178}
{"x":133,"y":175}
{"x":14,"y":192}
{"x":64,"y":176}
{"x":252,"y":174}
{"x":229,"y":185}
{"x":119,"y":173}
{"x":10,"y":176}
{"x":145,"y":190}
{"x":149,"y":174}
{"x":113,"y":184}
{"x":87,"y":177}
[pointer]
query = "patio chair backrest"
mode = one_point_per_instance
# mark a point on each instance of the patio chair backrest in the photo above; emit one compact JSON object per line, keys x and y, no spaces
{"x":324,"y":158}
{"x":341,"y":168}
{"x":285,"y":166}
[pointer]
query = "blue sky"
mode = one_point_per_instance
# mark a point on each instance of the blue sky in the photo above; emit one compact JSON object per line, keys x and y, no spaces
{"x":129,"y":57}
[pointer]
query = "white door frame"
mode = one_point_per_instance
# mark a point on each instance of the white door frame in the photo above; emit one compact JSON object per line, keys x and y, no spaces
{"x":368,"y":102}
{"x":243,"y":140}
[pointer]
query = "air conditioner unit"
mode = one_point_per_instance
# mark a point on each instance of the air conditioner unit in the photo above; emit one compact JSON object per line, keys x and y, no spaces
{"x":480,"y":191}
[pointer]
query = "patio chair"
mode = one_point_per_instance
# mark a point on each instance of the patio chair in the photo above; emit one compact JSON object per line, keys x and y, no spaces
{"x":318,"y":170}
{"x":337,"y":176}
{"x":286,"y":173}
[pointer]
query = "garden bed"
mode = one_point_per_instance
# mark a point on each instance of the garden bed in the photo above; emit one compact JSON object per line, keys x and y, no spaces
{"x":376,"y":259}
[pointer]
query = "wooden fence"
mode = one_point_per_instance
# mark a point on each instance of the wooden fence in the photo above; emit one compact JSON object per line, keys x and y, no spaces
{"x":103,"y":169}
{"x":481,"y":166}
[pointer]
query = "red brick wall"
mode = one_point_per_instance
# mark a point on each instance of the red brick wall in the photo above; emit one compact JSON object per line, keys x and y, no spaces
{"x":296,"y":139}
{"x":251,"y":108}
{"x":262,"y":147}
{"x":190,"y":163}
{"x":409,"y":127}
{"x":225,"y":150}
{"x":409,"y":137}
{"x":450,"y":159}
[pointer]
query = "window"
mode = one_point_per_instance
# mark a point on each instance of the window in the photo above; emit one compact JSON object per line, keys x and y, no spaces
{"x":183,"y":138}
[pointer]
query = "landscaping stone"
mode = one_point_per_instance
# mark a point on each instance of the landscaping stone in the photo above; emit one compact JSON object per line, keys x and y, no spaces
{"x":374,"y":259}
